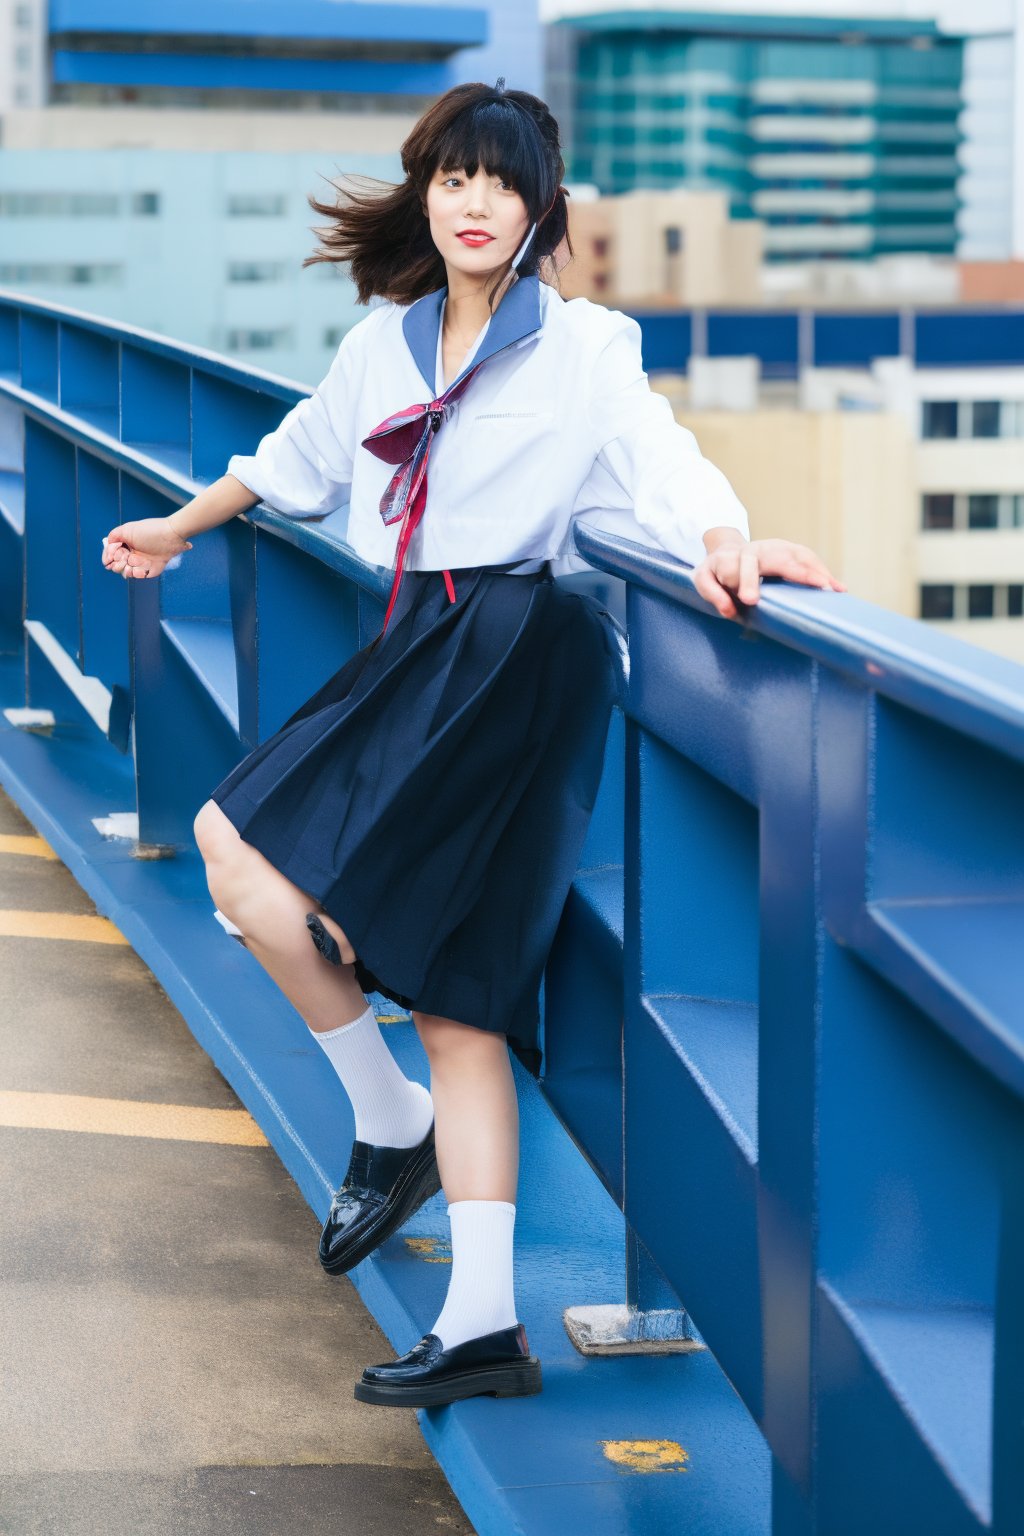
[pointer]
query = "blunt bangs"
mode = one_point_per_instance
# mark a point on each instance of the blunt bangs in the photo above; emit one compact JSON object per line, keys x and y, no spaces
{"x":505,"y":141}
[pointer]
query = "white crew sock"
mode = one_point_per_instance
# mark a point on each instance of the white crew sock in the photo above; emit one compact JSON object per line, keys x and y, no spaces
{"x":390,"y":1110}
{"x":480,"y":1297}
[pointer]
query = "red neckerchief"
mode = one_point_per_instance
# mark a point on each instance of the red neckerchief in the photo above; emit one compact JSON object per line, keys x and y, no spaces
{"x":404,"y":439}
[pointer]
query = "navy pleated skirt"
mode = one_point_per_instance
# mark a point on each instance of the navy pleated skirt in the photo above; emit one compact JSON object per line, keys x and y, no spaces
{"x":433,"y":796}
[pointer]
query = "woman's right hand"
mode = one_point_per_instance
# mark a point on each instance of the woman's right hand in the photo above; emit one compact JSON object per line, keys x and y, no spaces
{"x":142,"y":549}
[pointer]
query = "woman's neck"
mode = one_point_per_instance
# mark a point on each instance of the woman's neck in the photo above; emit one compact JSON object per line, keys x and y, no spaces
{"x":466,"y":309}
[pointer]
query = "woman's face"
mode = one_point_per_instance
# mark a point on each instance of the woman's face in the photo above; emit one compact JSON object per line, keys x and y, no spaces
{"x":457,"y":203}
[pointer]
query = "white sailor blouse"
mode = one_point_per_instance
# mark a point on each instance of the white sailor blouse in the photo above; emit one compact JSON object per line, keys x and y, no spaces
{"x":557,"y":422}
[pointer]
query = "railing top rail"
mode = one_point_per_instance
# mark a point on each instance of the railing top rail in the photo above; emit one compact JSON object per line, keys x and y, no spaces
{"x":188,"y":354}
{"x":971,"y":690}
{"x":950,"y":680}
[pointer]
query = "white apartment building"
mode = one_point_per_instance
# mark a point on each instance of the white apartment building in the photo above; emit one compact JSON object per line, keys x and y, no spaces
{"x":23,"y":53}
{"x":967,"y":431}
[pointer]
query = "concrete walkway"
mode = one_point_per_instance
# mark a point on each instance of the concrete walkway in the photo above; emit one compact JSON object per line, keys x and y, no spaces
{"x":174,"y":1361}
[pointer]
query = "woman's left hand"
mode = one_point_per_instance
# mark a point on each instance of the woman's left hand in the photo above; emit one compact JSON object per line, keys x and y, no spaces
{"x":733,"y":571}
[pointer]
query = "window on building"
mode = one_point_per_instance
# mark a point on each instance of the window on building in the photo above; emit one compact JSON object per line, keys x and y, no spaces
{"x":1017,"y":511}
{"x":256,"y":205}
{"x":673,"y":240}
{"x":600,"y":247}
{"x":23,"y":55}
{"x":1015,"y":600}
{"x":59,"y":272}
{"x":22,"y":15}
{"x":145,"y":202}
{"x":937,"y":511}
{"x":49,"y":205}
{"x":937,"y":601}
{"x":983,"y":511}
{"x":981,"y":600}
{"x":255,"y":271}
{"x":258,"y":340}
{"x":985,"y":418}
{"x":22,"y":94}
{"x":334,"y":335}
{"x":939,"y":418}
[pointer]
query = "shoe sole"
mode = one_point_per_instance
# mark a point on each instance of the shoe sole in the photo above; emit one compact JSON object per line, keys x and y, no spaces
{"x":494,"y":1381}
{"x":421,"y":1184}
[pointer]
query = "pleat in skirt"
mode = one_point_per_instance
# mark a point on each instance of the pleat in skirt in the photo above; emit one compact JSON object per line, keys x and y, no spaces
{"x":434,"y":794}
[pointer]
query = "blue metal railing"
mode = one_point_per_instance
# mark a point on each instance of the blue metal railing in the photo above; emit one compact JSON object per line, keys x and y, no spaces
{"x":783,"y":1014}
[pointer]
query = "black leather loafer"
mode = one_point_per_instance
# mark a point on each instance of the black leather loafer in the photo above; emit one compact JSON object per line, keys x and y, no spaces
{"x":499,"y":1364}
{"x":382,"y":1188}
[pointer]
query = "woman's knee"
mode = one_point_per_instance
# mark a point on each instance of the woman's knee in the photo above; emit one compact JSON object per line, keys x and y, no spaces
{"x":223,"y":853}
{"x":446,"y":1040}
{"x":216,"y":836}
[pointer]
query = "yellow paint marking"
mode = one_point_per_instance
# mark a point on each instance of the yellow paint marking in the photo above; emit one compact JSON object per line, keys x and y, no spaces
{"x":128,"y":1117}
{"x":60,"y":925}
{"x":35,"y":847}
{"x":647,"y":1455}
{"x":432,"y":1250}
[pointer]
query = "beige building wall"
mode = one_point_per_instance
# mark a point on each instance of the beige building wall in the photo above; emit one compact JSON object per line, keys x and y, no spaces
{"x":841,"y":481}
{"x":662,"y":248}
{"x":75,"y":127}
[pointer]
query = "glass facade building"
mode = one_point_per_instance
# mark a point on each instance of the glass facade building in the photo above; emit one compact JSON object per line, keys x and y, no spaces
{"x":842,"y":136}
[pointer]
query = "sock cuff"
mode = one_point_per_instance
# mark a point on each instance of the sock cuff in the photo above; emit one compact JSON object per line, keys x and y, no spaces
{"x":481,"y":1205}
{"x":332,"y":1034}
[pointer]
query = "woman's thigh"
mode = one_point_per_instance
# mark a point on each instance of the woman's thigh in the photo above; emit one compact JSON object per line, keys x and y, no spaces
{"x":237,"y":871}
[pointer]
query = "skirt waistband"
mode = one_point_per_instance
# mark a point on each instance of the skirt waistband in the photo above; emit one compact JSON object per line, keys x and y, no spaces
{"x":510,"y":567}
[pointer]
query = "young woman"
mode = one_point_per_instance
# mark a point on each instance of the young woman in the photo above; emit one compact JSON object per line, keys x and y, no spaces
{"x":414,"y":827}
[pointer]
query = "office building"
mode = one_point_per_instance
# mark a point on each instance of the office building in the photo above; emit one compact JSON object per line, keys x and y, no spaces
{"x":161,"y":175}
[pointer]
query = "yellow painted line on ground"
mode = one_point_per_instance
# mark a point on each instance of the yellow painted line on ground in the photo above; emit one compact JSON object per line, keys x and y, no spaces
{"x":34,"y":847}
{"x":60,"y":925}
{"x":128,"y":1117}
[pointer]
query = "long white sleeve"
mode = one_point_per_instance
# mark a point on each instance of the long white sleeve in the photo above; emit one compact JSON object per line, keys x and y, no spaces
{"x":305,"y":465}
{"x":675,"y":492}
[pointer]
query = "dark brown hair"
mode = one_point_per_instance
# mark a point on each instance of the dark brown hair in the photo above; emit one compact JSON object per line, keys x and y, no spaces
{"x":382,"y":231}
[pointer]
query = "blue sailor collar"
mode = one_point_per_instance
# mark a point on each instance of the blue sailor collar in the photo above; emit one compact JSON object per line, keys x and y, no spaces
{"x":518,"y":315}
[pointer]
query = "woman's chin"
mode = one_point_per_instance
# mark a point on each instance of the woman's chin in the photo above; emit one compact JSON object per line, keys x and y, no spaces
{"x":469,"y":263}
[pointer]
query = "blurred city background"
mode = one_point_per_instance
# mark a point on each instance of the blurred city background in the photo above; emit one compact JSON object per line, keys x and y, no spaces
{"x":813,"y":207}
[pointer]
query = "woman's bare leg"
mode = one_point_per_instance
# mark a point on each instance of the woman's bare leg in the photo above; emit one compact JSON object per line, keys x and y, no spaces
{"x":271,"y":912}
{"x":475,"y":1109}
{"x":476,"y":1130}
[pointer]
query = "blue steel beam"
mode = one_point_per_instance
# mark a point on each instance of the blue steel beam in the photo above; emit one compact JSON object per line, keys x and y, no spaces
{"x":781,"y":1018}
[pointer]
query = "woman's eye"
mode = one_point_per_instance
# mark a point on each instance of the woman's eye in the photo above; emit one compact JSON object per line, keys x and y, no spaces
{"x":506,"y":184}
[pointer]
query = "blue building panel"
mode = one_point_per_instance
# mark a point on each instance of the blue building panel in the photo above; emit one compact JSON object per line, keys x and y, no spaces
{"x":219,"y":72}
{"x":969,"y":338}
{"x":666,"y":340}
{"x":457,"y":26}
{"x":854,"y":340}
{"x":774,"y":338}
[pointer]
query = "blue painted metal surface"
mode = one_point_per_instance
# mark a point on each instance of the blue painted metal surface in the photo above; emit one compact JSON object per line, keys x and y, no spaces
{"x":208,"y":71}
{"x":933,"y":338}
{"x":782,"y":1014}
{"x":458,"y":25}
